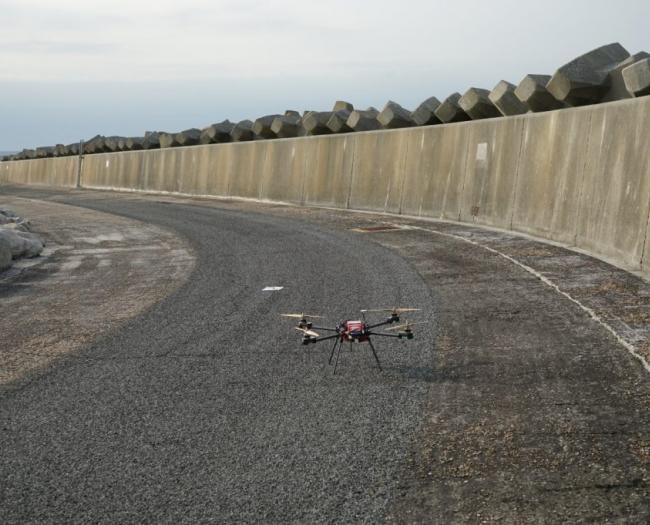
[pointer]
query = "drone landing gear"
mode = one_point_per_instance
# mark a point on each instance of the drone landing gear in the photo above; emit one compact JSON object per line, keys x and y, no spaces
{"x":372,"y":347}
{"x":339,"y":343}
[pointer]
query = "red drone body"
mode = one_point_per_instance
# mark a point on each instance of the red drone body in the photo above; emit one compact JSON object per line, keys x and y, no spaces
{"x":354,"y":331}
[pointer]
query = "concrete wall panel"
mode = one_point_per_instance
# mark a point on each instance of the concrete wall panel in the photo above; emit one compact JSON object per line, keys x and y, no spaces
{"x":328,"y":170}
{"x":41,"y":172}
{"x":283,"y":171}
{"x":378,"y":171}
{"x":491,"y":171}
{"x":434,"y":171}
{"x":550,"y":175}
{"x":613,"y":208}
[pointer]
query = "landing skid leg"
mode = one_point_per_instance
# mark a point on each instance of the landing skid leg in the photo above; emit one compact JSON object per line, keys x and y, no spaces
{"x":336,"y":341}
{"x":336,"y":364}
{"x":372,"y":347}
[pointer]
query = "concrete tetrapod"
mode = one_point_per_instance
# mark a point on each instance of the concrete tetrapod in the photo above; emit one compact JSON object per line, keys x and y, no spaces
{"x":450,"y":111}
{"x":262,"y":127}
{"x":167,"y":140}
{"x":477,"y":104}
{"x":337,"y":123}
{"x":243,"y":131}
{"x":315,"y":122}
{"x":394,"y":116}
{"x":44,"y":152}
{"x":111,"y":143}
{"x":363,"y":120}
{"x":637,"y":78}
{"x":617,"y":88}
{"x":134,"y":143}
{"x":151,"y":140}
{"x":286,"y":126}
{"x":532,"y":92}
{"x":189,"y":137}
{"x":586,"y":79}
{"x":217,"y":133}
{"x":425,"y":113}
{"x":504,"y":98}
{"x":341,"y":105}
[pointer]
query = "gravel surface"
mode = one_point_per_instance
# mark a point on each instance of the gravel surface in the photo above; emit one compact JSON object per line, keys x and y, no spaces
{"x":207,"y":407}
{"x":513,"y":405}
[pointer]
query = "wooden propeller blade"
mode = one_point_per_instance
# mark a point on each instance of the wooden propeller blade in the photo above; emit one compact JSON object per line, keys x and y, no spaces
{"x":310,"y":333}
{"x":393,"y":310}
{"x":405,"y":326}
{"x":303,"y":316}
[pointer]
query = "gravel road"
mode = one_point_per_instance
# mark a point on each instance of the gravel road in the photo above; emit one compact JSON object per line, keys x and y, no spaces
{"x":512,"y":405}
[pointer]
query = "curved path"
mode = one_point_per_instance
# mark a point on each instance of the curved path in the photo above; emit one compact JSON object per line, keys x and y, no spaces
{"x":512,"y":405}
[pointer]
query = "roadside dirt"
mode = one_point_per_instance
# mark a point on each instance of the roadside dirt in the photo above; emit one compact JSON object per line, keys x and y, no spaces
{"x":97,"y":271}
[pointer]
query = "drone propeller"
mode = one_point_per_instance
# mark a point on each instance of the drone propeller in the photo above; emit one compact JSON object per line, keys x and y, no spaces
{"x":303,"y":316}
{"x":308,"y":333}
{"x":406,"y":327}
{"x":393,"y":311}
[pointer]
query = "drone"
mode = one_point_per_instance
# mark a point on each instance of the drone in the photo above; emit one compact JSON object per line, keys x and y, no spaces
{"x":354,"y":331}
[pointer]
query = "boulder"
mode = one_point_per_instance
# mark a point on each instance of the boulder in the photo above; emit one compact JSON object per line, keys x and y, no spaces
{"x":364,"y":120}
{"x":450,"y":111}
{"x":291,"y":113}
{"x":21,"y":244}
{"x":586,"y":79}
{"x":637,"y":78}
{"x":217,"y":133}
{"x":262,"y":127}
{"x":477,"y":104}
{"x":394,"y":116}
{"x":287,"y":126}
{"x":243,"y":131}
{"x":532,"y":92}
{"x":315,"y":122}
{"x":342,"y":105}
{"x":425,"y":113}
{"x":337,"y":123}
{"x":504,"y":98}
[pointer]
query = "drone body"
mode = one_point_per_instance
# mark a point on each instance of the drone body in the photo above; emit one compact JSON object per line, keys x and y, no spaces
{"x":353,"y":331}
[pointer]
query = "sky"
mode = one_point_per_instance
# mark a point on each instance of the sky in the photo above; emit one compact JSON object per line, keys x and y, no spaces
{"x":71,"y":69}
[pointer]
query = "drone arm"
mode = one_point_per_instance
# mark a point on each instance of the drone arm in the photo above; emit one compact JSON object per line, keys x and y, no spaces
{"x":324,"y":328}
{"x":383,"y":323}
{"x":319,"y":339}
{"x":379,"y":334}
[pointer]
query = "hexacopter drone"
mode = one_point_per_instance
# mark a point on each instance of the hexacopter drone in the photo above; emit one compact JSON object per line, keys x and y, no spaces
{"x":354,"y":331}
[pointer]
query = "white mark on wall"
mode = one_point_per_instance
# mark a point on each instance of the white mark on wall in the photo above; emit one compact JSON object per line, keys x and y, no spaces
{"x":481,"y":151}
{"x":107,"y":162}
{"x":272,"y":288}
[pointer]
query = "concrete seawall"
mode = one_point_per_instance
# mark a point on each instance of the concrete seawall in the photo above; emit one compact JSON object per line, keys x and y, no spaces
{"x":577,"y":176}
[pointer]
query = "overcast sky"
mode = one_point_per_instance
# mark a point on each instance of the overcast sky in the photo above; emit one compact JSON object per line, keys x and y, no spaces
{"x":75,"y":68}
